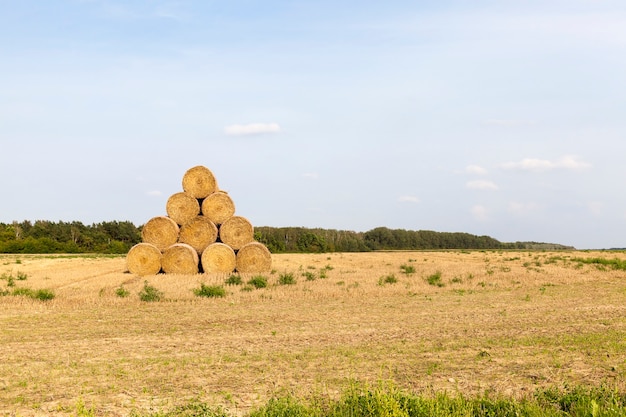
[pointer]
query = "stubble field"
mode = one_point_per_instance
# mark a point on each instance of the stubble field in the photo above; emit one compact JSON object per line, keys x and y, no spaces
{"x":463,"y":322}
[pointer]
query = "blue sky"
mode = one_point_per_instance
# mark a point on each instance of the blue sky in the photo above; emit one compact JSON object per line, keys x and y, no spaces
{"x":497,"y":118}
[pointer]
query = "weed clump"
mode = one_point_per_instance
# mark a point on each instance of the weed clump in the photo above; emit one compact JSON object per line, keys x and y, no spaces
{"x":258,"y":281}
{"x":287,"y":279}
{"x":122,"y":292}
{"x":233,"y":280}
{"x":435,"y":279}
{"x":389,"y":279}
{"x":210,"y":291}
{"x":150,"y":293}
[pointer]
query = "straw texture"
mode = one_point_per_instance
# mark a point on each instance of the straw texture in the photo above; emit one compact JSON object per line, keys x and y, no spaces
{"x":182,"y":208}
{"x":218,"y":258}
{"x":236,"y":232}
{"x":199,"y":182}
{"x":160,"y":231}
{"x":144,"y":259}
{"x":180,"y":258}
{"x":254,"y":258}
{"x":198,"y":233}
{"x":218,"y":207}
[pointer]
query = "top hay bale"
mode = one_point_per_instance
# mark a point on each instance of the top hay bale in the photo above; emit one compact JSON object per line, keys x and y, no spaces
{"x":199,"y":182}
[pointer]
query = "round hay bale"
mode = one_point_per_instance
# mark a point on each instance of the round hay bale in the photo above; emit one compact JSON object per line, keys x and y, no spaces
{"x":218,"y":258}
{"x":218,"y":207}
{"x":236,"y":232}
{"x":180,"y":258}
{"x":182,"y":208}
{"x":161,"y":231}
{"x":198,"y":233}
{"x":254,"y":258}
{"x":199,"y":182}
{"x":144,"y":259}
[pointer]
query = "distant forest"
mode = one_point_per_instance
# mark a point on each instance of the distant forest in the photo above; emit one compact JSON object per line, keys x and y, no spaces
{"x":115,"y":237}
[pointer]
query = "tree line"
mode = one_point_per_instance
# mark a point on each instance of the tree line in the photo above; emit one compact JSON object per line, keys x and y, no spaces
{"x":117,"y":237}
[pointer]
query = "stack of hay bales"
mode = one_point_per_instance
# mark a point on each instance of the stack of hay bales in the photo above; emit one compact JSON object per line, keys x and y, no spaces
{"x":200,"y":233}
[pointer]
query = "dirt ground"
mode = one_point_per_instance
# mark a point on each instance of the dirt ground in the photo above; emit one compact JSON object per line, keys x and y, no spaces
{"x":464,"y":322}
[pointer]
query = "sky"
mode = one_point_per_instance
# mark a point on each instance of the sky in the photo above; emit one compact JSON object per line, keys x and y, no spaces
{"x":501,"y":118}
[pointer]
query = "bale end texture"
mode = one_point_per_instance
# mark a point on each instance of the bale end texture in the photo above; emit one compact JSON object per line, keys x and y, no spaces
{"x":218,"y":258}
{"x":236,"y":232}
{"x":254,"y":258}
{"x":144,"y":259}
{"x":180,"y":258}
{"x":218,"y":207}
{"x":199,"y":182}
{"x":161,"y":231}
{"x":182,"y":208}
{"x":198,"y":233}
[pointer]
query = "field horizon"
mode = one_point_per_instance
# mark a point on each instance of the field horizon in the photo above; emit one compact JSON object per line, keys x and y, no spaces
{"x":501,"y":323}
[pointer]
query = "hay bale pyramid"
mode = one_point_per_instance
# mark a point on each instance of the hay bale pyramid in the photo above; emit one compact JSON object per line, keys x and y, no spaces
{"x":200,"y":234}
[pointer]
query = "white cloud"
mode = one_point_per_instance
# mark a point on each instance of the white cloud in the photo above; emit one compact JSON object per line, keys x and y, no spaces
{"x":154,"y":193}
{"x":252,"y":129}
{"x":475,"y":170}
{"x":408,"y":199}
{"x":311,"y":175}
{"x":570,"y":162}
{"x":522,"y":209}
{"x":480,"y":213}
{"x":481,"y":185}
{"x":595,"y":207}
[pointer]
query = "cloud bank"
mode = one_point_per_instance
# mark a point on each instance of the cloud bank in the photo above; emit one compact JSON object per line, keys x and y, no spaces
{"x":569,"y":162}
{"x":252,"y":129}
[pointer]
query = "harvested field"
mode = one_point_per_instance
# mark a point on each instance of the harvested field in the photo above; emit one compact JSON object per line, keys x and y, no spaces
{"x":505,"y":323}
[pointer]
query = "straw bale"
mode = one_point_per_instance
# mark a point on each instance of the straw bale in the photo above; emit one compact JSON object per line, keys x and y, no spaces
{"x":236,"y":232}
{"x":199,"y":182}
{"x":198,"y":233}
{"x":218,"y":207}
{"x":218,"y":258}
{"x":144,"y":259}
{"x":161,"y":231}
{"x":180,"y":258}
{"x":182,"y":208}
{"x":254,"y":258}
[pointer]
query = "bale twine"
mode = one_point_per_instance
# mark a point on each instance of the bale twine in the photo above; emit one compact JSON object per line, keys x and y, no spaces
{"x":236,"y":232}
{"x":180,"y":258}
{"x":182,"y":208}
{"x":218,"y":207}
{"x":218,"y":258}
{"x":199,"y":182}
{"x":144,"y":259}
{"x":254,"y":258}
{"x":160,"y":231}
{"x":198,"y":233}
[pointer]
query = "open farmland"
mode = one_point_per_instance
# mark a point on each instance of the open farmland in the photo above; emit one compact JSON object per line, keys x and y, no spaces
{"x":471,"y":322}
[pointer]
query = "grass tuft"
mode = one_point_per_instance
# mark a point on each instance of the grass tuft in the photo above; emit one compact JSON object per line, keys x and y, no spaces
{"x":150,"y":293}
{"x":210,"y":291}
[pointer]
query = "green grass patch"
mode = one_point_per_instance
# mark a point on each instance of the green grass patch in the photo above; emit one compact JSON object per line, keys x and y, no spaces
{"x":122,"y":292}
{"x":435,"y":279}
{"x":386,"y":400}
{"x":615,"y":264}
{"x":41,"y":294}
{"x":407,"y":269}
{"x":389,"y":279}
{"x":233,"y":280}
{"x":150,"y":293}
{"x":258,"y":281}
{"x":287,"y":279}
{"x":210,"y":291}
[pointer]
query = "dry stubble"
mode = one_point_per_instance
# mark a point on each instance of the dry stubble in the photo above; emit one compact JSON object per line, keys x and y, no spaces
{"x":503,"y":322}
